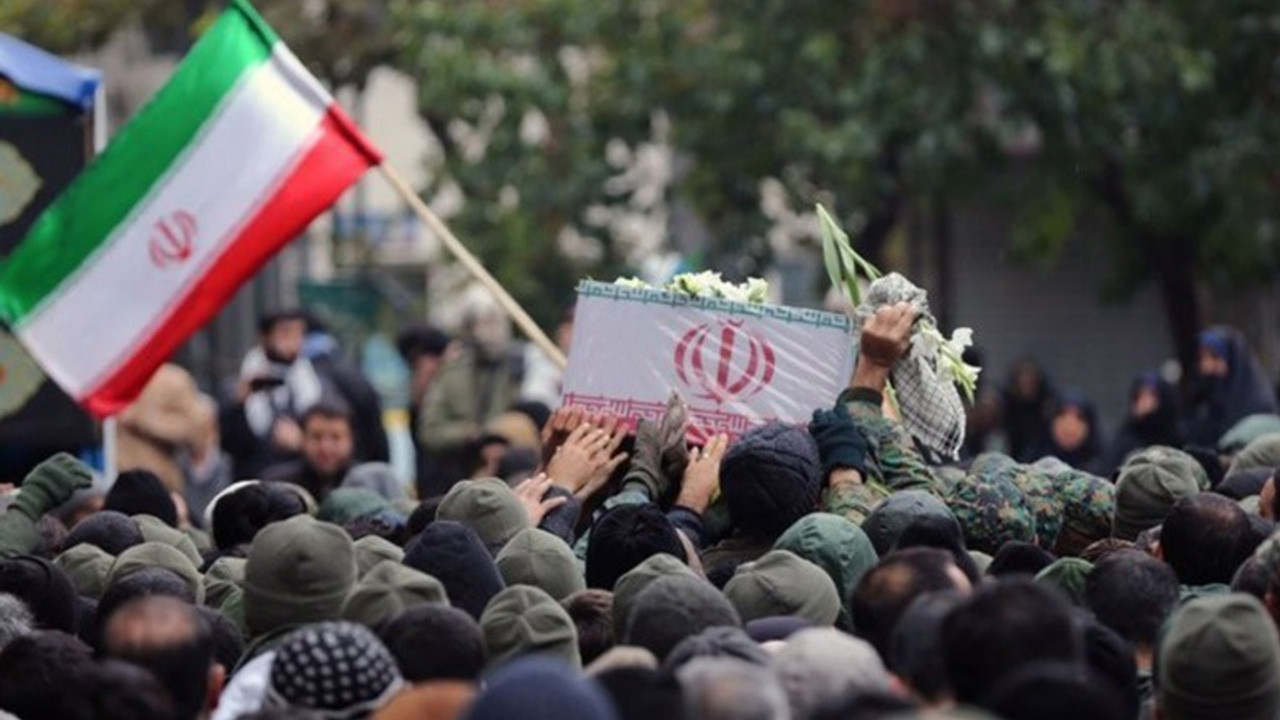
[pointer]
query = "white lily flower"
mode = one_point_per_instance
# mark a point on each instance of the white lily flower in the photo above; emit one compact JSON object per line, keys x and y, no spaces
{"x":961,"y":338}
{"x":929,"y":340}
{"x":757,"y":290}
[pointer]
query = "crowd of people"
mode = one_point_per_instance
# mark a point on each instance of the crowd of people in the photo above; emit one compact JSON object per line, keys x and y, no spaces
{"x":262,"y":560}
{"x":1036,"y":421}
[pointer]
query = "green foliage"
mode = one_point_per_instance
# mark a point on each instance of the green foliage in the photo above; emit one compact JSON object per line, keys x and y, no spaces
{"x":1162,"y":115}
{"x":1159,"y":117}
{"x":340,"y":40}
{"x":526,"y":96}
{"x":63,"y":26}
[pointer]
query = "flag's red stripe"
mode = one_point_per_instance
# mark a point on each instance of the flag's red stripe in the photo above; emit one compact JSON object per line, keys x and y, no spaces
{"x":328,"y":168}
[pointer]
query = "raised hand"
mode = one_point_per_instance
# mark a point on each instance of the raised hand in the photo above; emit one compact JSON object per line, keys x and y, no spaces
{"x":702,"y":475}
{"x":588,"y":457}
{"x":531,"y":493}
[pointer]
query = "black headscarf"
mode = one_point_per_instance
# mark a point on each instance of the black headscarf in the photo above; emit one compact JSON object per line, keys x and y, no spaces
{"x":1026,"y":419}
{"x":1088,"y":454}
{"x":1220,"y":402}
{"x":1162,"y":426}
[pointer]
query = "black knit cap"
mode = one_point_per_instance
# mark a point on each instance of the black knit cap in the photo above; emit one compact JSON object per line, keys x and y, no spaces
{"x":111,"y":531}
{"x":454,"y":554}
{"x":623,"y":538}
{"x":45,"y":589}
{"x":140,"y":492}
{"x":771,"y":477}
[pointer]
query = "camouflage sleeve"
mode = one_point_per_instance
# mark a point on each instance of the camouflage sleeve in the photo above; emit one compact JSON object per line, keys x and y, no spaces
{"x":897,"y":464}
{"x":854,"y":501}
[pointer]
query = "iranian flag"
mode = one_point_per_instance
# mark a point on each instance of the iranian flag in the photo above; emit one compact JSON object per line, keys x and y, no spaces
{"x":225,"y":165}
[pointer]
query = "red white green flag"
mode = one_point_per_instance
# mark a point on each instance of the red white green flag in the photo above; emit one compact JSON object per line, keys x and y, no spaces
{"x":231,"y":160}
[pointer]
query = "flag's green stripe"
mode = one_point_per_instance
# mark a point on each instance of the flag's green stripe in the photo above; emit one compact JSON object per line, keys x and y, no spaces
{"x":71,"y":230}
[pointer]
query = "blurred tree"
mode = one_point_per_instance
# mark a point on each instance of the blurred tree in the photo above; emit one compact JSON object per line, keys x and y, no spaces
{"x":539,"y":106}
{"x":853,"y":100}
{"x":1163,"y":116}
{"x":340,"y":40}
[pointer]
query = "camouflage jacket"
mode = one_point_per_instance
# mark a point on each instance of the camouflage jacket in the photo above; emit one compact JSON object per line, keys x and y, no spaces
{"x":893,"y":462}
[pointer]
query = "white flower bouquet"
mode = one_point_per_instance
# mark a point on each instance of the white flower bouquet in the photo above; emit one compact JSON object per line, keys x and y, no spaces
{"x":708,"y":284}
{"x":925,"y":382}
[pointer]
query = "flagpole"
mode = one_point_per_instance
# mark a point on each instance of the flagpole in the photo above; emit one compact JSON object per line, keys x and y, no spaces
{"x":472,"y":264}
{"x":110,"y":461}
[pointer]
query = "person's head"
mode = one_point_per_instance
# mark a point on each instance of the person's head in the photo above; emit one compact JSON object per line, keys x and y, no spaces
{"x":338,"y":668}
{"x":1073,"y":423}
{"x":539,"y":688}
{"x":239,"y":515}
{"x":915,"y":649}
{"x":1146,"y":396}
{"x":327,"y":443}
{"x":943,"y":533}
{"x":488,"y":453}
{"x":168,"y":638}
{"x":37,"y":669}
{"x":821,"y":666}
{"x":1054,"y":691}
{"x":1219,"y":657}
{"x":423,"y":347}
{"x":1019,"y":558}
{"x":282,"y":334}
{"x":118,"y":690}
{"x":16,"y":619}
{"x":1068,"y":575}
{"x":623,"y":538}
{"x":837,"y":546}
{"x":1149,"y":484}
{"x":488,"y":329}
{"x":147,"y":582}
{"x":150,"y":555}
{"x":592,"y":615}
{"x":389,"y":589}
{"x":630,"y":585}
{"x":1269,"y":499}
{"x":770,"y":478}
{"x":109,"y":530}
{"x":489,"y":507}
{"x":141,"y":492}
{"x":1214,"y":357}
{"x":1027,"y":380}
{"x":1205,"y":538}
{"x":536,"y":557}
{"x":673,"y":608}
{"x":44,"y":587}
{"x":524,"y":620}
{"x":454,"y":554}
{"x":298,"y":571}
{"x":641,"y":693}
{"x":721,"y":641}
{"x":885,"y":592}
{"x":782,"y":583}
{"x":435,"y":642}
{"x":1114,"y":661}
{"x":728,"y":689}
{"x":891,"y":517}
{"x":1253,"y":578}
{"x":1002,"y":627}
{"x":228,"y":640}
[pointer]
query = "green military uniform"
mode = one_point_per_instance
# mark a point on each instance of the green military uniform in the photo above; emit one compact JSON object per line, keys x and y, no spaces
{"x":893,"y":462}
